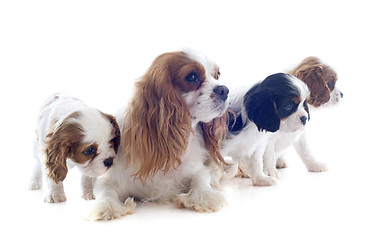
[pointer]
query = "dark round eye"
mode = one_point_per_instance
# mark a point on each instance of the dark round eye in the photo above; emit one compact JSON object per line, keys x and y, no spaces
{"x":192,"y":77}
{"x":218,"y":75}
{"x":90,"y":151}
{"x":289,"y":105}
{"x":330,"y":84}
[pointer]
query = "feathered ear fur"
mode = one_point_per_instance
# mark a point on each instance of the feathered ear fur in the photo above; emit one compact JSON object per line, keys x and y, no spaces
{"x":260,"y":107}
{"x":58,"y":148}
{"x":213,"y":134}
{"x":310,"y":71}
{"x":157,"y":124}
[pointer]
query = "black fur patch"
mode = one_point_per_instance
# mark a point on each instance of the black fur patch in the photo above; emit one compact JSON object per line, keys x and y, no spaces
{"x":266,"y":103}
{"x":236,"y":124}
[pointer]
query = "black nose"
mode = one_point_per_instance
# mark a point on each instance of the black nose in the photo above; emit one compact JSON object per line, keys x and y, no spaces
{"x":108,"y":162}
{"x":221,"y":92}
{"x":303,"y":119}
{"x":342,"y":95}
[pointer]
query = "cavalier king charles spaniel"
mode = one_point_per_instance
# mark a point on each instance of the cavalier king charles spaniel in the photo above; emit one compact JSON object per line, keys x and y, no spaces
{"x":69,"y":134}
{"x":172,"y":130}
{"x":320,"y":79}
{"x":265,"y":113}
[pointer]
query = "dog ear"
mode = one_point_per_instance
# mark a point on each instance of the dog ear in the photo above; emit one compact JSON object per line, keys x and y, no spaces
{"x":115,"y":132}
{"x":314,"y":79}
{"x":157,"y":123}
{"x":260,"y":107}
{"x":59,"y":147}
{"x":213,"y":133}
{"x":56,"y":155}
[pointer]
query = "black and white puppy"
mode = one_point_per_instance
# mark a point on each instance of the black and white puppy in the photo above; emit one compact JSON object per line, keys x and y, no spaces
{"x":275,"y":105}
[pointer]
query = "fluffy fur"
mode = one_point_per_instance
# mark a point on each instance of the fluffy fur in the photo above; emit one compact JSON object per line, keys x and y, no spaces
{"x":277,"y":105}
{"x":170,"y":149}
{"x":321,"y":79}
{"x":69,"y":133}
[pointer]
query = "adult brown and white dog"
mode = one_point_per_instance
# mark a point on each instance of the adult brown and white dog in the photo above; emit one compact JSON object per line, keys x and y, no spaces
{"x":69,"y":134}
{"x":170,"y":147}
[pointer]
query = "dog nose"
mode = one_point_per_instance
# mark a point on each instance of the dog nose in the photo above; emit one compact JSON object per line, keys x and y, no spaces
{"x":221,"y":92}
{"x":108,"y":162}
{"x":341,"y":94}
{"x":303,"y":119}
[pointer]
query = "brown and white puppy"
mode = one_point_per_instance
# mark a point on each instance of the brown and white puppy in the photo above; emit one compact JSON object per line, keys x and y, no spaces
{"x":320,"y":79}
{"x":69,"y":134}
{"x":170,"y":148}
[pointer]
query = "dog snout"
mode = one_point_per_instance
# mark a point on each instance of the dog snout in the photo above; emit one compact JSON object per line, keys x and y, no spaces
{"x":108,"y":162}
{"x":221,"y":92}
{"x":303,"y":119}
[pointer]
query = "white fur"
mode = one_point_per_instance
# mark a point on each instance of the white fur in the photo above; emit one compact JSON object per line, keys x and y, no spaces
{"x":190,"y":185}
{"x":299,"y":140}
{"x":96,"y":129}
{"x":246,"y":148}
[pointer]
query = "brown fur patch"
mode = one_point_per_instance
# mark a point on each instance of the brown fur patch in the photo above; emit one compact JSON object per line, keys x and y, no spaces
{"x":217,"y":72}
{"x":317,"y":76}
{"x":297,"y":100}
{"x":78,"y":149}
{"x":157,"y":123}
{"x":213,"y":134}
{"x":59,"y":146}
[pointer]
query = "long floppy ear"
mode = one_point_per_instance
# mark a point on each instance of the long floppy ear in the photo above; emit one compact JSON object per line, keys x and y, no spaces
{"x":312,"y":75}
{"x":57,"y":152}
{"x":115,"y":141}
{"x":59,"y":147}
{"x":157,"y":123}
{"x":213,"y":133}
{"x":260,"y":107}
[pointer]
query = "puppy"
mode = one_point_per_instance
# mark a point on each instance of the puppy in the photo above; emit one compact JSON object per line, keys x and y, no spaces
{"x":275,"y":105}
{"x":69,"y":134}
{"x":321,"y":80}
{"x":170,"y":146}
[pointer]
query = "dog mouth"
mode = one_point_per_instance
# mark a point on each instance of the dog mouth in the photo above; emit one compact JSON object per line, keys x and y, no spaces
{"x":221,"y":106}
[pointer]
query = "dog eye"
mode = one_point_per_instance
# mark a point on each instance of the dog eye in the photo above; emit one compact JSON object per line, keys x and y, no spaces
{"x":289,"y":105}
{"x":90,"y":151}
{"x":192,"y":77}
{"x":218,"y":75}
{"x":330,"y":85}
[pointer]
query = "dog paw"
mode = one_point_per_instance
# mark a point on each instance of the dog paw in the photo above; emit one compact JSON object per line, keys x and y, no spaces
{"x":264,"y":181}
{"x":241,"y":174}
{"x":230,"y":171}
{"x":109,"y":209}
{"x":280,"y":163}
{"x":272,"y":172}
{"x":317,"y":167}
{"x":209,"y":201}
{"x":88,"y":196}
{"x":55,"y":198}
{"x":35,"y":186}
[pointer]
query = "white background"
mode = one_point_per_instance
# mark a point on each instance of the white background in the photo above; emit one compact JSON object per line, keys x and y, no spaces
{"x":96,"y":49}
